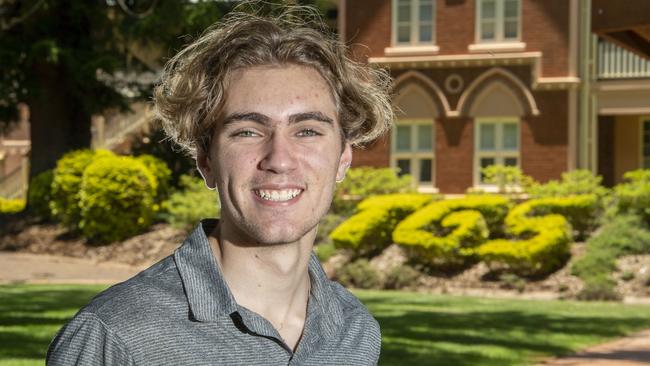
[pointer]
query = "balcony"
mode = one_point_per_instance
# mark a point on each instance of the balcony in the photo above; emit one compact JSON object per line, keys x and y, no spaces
{"x":614,"y":62}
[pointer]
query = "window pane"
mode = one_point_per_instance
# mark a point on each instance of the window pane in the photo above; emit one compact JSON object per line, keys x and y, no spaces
{"x":404,"y":12}
{"x":483,"y":163}
{"x":403,"y":34}
{"x":488,"y":9}
{"x":426,"y":33}
{"x":487,"y":137}
{"x":425,"y":138}
{"x":487,"y":30}
{"x":510,"y":161}
{"x":510,"y":9}
{"x":404,"y":166}
{"x":510,"y":136}
{"x":403,"y":138}
{"x":426,"y":11}
{"x":510,"y":29}
{"x":425,"y":170}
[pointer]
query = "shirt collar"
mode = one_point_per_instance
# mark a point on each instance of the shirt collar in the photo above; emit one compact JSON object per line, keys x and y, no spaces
{"x":208,"y":293}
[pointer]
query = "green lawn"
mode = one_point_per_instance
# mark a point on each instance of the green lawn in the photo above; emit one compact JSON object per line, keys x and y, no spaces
{"x":416,"y":329}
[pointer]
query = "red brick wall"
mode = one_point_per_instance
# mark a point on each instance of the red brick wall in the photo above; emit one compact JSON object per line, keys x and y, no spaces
{"x":376,"y":155}
{"x":545,"y":28}
{"x":368,"y":27}
{"x":455,"y":28}
{"x":544,"y":139}
{"x":454,"y":154}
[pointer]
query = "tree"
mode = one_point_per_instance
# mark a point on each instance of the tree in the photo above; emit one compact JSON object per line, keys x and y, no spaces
{"x":70,"y":59}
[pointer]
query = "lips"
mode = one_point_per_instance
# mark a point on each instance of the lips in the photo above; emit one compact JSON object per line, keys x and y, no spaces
{"x":277,"y":195}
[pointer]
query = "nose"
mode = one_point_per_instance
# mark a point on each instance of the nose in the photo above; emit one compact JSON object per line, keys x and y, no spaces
{"x":279,"y":155}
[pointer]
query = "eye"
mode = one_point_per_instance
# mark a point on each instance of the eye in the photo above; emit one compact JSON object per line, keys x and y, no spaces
{"x":308,"y":132}
{"x":245,"y":133}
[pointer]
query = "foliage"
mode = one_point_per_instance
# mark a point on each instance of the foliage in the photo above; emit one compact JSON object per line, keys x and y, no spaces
{"x":9,"y":206}
{"x":116,"y":199}
{"x":66,"y":184}
{"x":581,"y":211}
{"x":161,"y":172}
{"x":363,"y":182}
{"x":324,"y":251}
{"x":541,"y":243}
{"x":576,"y":182}
{"x":326,"y":225}
{"x":370,"y":230}
{"x":192,"y":202}
{"x":40,"y":194}
{"x":633,"y":196}
{"x":446,"y":232}
{"x":358,"y":274}
{"x":625,"y":235}
{"x":507,"y":179}
{"x":402,"y":276}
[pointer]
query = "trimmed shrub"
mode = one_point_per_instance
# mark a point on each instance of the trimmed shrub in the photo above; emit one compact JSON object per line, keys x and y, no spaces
{"x":326,"y":225}
{"x":161,"y":172}
{"x":66,"y":184}
{"x":10,"y":206}
{"x":544,"y":243}
{"x":40,"y":194}
{"x":358,"y":274}
{"x":581,"y":211}
{"x":633,"y":196}
{"x":363,"y":182}
{"x":370,"y":230}
{"x":191,"y":203}
{"x":116,"y":199}
{"x":324,"y":251}
{"x":402,"y":276}
{"x":446,"y":232}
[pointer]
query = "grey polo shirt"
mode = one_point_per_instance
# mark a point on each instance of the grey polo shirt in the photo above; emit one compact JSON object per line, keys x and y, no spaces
{"x":180,"y":311}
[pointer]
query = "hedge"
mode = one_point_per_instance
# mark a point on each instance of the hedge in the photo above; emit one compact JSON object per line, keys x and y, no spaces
{"x":66,"y":184}
{"x":9,"y":206}
{"x":369,"y":230}
{"x":116,"y":199}
{"x":40,"y":194}
{"x":633,"y":196}
{"x":544,"y":240}
{"x":446,"y":232}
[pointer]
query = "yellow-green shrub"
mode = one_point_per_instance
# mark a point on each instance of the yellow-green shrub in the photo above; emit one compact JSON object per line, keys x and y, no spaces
{"x":369,"y":230}
{"x":9,"y":206}
{"x":192,"y":202}
{"x":161,"y":172}
{"x":633,"y":196}
{"x":544,"y":240}
{"x":581,"y":211}
{"x":40,"y":194}
{"x":446,"y":232}
{"x":66,"y":184}
{"x":116,"y":198}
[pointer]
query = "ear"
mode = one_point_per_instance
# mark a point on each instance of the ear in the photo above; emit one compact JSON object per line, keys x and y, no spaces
{"x":344,"y":162}
{"x":203,"y":164}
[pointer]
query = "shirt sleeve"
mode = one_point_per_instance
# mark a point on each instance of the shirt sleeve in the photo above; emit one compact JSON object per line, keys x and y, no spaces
{"x":86,"y":340}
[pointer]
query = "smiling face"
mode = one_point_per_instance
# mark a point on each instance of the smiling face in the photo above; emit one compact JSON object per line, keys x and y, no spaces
{"x":275,"y":154}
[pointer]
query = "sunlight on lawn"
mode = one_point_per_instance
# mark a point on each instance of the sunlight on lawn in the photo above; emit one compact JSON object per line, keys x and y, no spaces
{"x":418,"y":329}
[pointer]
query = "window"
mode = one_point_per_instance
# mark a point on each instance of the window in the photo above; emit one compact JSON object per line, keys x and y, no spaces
{"x":645,"y":144}
{"x":497,"y":143}
{"x":497,"y":20}
{"x":412,"y":150}
{"x":413,"y":22}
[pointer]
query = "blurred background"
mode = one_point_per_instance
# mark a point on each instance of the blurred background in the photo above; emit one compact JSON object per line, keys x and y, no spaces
{"x":511,"y":197}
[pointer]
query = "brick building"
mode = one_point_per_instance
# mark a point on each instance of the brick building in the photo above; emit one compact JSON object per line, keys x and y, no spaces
{"x":514,"y":82}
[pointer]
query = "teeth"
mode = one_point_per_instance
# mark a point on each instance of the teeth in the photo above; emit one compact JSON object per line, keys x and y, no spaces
{"x":278,"y":195}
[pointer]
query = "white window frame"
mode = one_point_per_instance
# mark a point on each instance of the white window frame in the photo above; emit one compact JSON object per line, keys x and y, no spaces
{"x":499,"y":33}
{"x":498,"y":153}
{"x":415,"y":26}
{"x":415,"y":155}
{"x":642,"y":158}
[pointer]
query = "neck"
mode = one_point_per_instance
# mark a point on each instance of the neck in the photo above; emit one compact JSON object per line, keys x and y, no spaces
{"x":272,"y":281}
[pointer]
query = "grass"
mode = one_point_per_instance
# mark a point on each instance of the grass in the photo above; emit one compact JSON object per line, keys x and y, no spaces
{"x":448,"y":330}
{"x":416,"y":329}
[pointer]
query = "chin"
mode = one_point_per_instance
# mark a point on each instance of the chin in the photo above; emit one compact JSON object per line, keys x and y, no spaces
{"x":276,"y":233}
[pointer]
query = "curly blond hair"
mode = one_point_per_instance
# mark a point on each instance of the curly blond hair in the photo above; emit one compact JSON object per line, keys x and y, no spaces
{"x":191,"y":94}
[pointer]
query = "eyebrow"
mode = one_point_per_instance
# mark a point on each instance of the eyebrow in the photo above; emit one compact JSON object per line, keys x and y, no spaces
{"x":263,"y":119}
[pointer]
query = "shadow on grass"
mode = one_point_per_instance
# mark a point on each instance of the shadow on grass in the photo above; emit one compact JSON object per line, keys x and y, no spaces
{"x":441,"y":332}
{"x":31,"y":315}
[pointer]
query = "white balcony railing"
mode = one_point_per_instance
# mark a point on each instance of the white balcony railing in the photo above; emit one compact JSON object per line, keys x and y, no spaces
{"x":615,"y":62}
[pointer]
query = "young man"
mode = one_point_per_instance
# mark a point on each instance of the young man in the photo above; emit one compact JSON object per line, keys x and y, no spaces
{"x":270,"y":109}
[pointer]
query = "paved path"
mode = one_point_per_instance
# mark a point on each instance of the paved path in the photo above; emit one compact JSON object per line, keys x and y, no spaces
{"x":36,"y":268}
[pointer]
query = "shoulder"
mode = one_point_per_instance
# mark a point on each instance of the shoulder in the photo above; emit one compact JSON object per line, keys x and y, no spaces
{"x":354,"y":312}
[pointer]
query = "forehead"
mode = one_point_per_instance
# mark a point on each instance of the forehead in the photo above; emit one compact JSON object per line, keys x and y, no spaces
{"x":278,"y":89}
